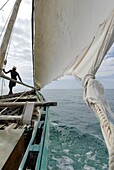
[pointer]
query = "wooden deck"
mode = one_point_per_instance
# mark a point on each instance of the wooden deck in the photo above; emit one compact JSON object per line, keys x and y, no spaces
{"x":19,"y":115}
{"x":9,"y":139}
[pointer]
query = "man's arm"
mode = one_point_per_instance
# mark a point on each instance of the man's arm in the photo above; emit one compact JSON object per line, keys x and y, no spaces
{"x":6,"y":72}
{"x":19,"y":77}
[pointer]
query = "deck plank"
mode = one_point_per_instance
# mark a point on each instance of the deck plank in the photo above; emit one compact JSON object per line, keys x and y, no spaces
{"x":29,"y":107}
{"x":8,"y":141}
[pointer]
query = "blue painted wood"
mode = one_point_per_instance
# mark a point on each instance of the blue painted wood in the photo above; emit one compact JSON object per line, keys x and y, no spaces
{"x":44,"y":163}
{"x":40,"y":159}
{"x":38,"y":145}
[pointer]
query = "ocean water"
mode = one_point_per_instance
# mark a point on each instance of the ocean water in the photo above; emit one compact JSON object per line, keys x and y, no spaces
{"x":76,"y":141}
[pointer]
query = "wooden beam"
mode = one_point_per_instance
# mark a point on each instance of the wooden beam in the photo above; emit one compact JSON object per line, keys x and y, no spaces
{"x":21,"y":83}
{"x":11,"y":126}
{"x":41,"y":104}
{"x":20,"y":94}
{"x":8,"y":117}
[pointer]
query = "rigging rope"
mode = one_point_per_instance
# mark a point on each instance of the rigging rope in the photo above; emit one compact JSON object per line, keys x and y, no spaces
{"x":6,"y":23}
{"x":108,"y":130}
{"x":4,"y":5}
{"x":2,"y":33}
{"x":5,"y":26}
{"x":5,"y":61}
{"x":2,"y":86}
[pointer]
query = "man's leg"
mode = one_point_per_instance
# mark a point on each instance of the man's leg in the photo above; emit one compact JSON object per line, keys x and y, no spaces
{"x":10,"y":92}
{"x":10,"y":87}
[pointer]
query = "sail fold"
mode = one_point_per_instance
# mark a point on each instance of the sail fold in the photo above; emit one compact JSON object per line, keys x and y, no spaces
{"x":68,"y":33}
{"x":90,"y":59}
{"x":72,"y":38}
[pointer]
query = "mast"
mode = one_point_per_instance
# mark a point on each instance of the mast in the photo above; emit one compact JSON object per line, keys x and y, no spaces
{"x":7,"y":35}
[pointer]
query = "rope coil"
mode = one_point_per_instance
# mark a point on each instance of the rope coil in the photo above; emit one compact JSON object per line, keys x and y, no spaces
{"x":108,"y":129}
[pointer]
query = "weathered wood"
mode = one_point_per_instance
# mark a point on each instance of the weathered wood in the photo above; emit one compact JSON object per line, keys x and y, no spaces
{"x":8,"y":78}
{"x":8,"y":99}
{"x":25,"y":93}
{"x":12,"y":125}
{"x":9,"y":117}
{"x":30,"y":98}
{"x":10,"y":104}
{"x":1,"y":126}
{"x":24,"y":99}
{"x":15,"y":111}
{"x":14,"y":101}
{"x":13,"y":149}
{"x":8,"y":143}
{"x":3,"y":110}
{"x":28,"y":111}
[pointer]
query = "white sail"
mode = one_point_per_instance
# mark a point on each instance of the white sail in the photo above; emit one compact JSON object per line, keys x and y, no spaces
{"x":71,"y":38}
{"x":63,"y":30}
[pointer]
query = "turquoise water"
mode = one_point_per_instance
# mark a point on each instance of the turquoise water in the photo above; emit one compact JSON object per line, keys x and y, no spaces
{"x":76,"y":141}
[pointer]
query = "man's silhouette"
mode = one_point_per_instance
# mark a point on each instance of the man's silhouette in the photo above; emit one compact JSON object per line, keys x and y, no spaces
{"x":14,"y":75}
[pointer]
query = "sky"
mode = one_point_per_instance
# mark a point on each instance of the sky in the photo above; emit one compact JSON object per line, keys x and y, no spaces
{"x":20,"y":54}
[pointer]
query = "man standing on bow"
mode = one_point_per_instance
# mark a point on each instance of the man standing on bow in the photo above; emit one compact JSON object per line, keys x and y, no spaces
{"x":14,"y":75}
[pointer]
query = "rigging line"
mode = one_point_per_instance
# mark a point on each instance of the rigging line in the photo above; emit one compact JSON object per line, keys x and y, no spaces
{"x":9,"y":39}
{"x":32,"y":28}
{"x":4,"y":5}
{"x":2,"y":83}
{"x":6,"y":22}
{"x":11,"y":34}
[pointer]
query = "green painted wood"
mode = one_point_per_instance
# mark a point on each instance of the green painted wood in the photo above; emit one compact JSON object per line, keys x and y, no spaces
{"x":40,"y":156}
{"x":40,"y":149}
{"x":44,"y":163}
{"x":23,"y":163}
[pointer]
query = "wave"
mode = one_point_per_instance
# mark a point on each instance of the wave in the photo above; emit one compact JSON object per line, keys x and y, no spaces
{"x":71,"y":149}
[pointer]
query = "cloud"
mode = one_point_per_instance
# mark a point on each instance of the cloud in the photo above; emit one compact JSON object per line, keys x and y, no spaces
{"x":106,"y":68}
{"x":108,"y":83}
{"x":19,"y":53}
{"x":110,"y":53}
{"x":69,"y":83}
{"x":106,"y":71}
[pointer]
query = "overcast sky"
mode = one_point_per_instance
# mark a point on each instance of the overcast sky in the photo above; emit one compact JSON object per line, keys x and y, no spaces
{"x":20,"y":56}
{"x":19,"y":53}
